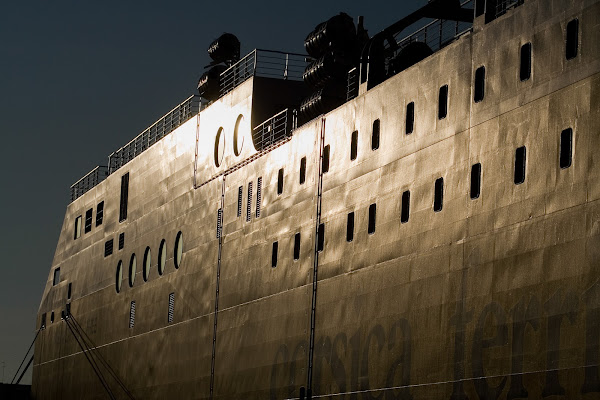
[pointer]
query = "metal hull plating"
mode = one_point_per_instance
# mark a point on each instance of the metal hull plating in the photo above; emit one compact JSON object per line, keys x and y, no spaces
{"x":492,"y":297}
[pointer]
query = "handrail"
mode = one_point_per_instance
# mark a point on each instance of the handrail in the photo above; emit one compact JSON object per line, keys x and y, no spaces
{"x":162,"y":127}
{"x":87,"y":182}
{"x":274,"y":129}
{"x":264,"y":63}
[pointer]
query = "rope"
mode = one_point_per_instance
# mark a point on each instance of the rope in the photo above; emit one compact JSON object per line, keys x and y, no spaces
{"x":105,"y":363}
{"x":24,"y":358}
{"x":97,"y":372}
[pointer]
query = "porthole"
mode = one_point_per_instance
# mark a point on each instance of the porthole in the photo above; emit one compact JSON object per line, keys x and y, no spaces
{"x":132,"y":269}
{"x":147,"y":263}
{"x":178,"y":249}
{"x":238,"y":138}
{"x":162,"y":256}
{"x":119,"y":276}
{"x":219,"y":146}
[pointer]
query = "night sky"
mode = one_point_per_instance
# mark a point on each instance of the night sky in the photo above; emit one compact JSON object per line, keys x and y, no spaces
{"x":79,"y":79}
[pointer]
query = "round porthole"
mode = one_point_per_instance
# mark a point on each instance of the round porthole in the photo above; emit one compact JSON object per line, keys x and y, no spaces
{"x":119,"y":276}
{"x":132,"y":269}
{"x":147,"y":263}
{"x":162,"y":256}
{"x":219,"y":146}
{"x":178,"y":249}
{"x":238,"y":138}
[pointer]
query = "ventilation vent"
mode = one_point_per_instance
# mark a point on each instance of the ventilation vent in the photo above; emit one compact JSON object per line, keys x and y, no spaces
{"x":249,"y":203}
{"x":219,"y":223}
{"x":171,"y":307}
{"x":99,"y":213}
{"x":108,"y":248}
{"x":258,"y":196}
{"x":132,"y":314}
{"x":239,"y":202}
{"x":88,"y":220}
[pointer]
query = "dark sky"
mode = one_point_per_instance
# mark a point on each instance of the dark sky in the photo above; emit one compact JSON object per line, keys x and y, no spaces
{"x":80,"y":79}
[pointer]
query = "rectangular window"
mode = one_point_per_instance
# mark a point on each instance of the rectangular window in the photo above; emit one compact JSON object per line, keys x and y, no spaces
{"x":239,"y":203}
{"x":171,"y":310}
{"x":321,"y":237}
{"x":219,"y":223}
{"x":354,"y":145}
{"x":69,"y":290}
{"x":132,"y":314}
{"x":525,"y":70}
{"x":479,"y":84}
{"x":280,"y":182}
{"x":410,"y":117}
{"x":43,"y":324}
{"x":108,"y":248}
{"x":88,"y":220}
{"x":443,"y":102}
{"x":258,"y":196}
{"x":572,"y":39}
{"x":372,"y":216}
{"x":520,"y":163}
{"x":77,"y":232}
{"x":121,"y":240}
{"x":274,"y":255}
{"x":566,"y":148}
{"x":99,"y":213}
{"x":56,"y":277}
{"x":249,"y":203}
{"x":405,"y":208}
{"x":302,"y":170}
{"x":438,"y":200}
{"x":297,"y":246}
{"x":326,"y":159}
{"x":475,"y":181}
{"x":375,"y":135}
{"x":350,"y":227}
{"x":124,"y":197}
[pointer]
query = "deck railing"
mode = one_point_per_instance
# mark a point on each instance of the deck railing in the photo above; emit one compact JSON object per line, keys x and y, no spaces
{"x":90,"y":180}
{"x":265,"y":63}
{"x":504,"y":5}
{"x":167,"y":124}
{"x":274,"y":129}
{"x":438,"y":33}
